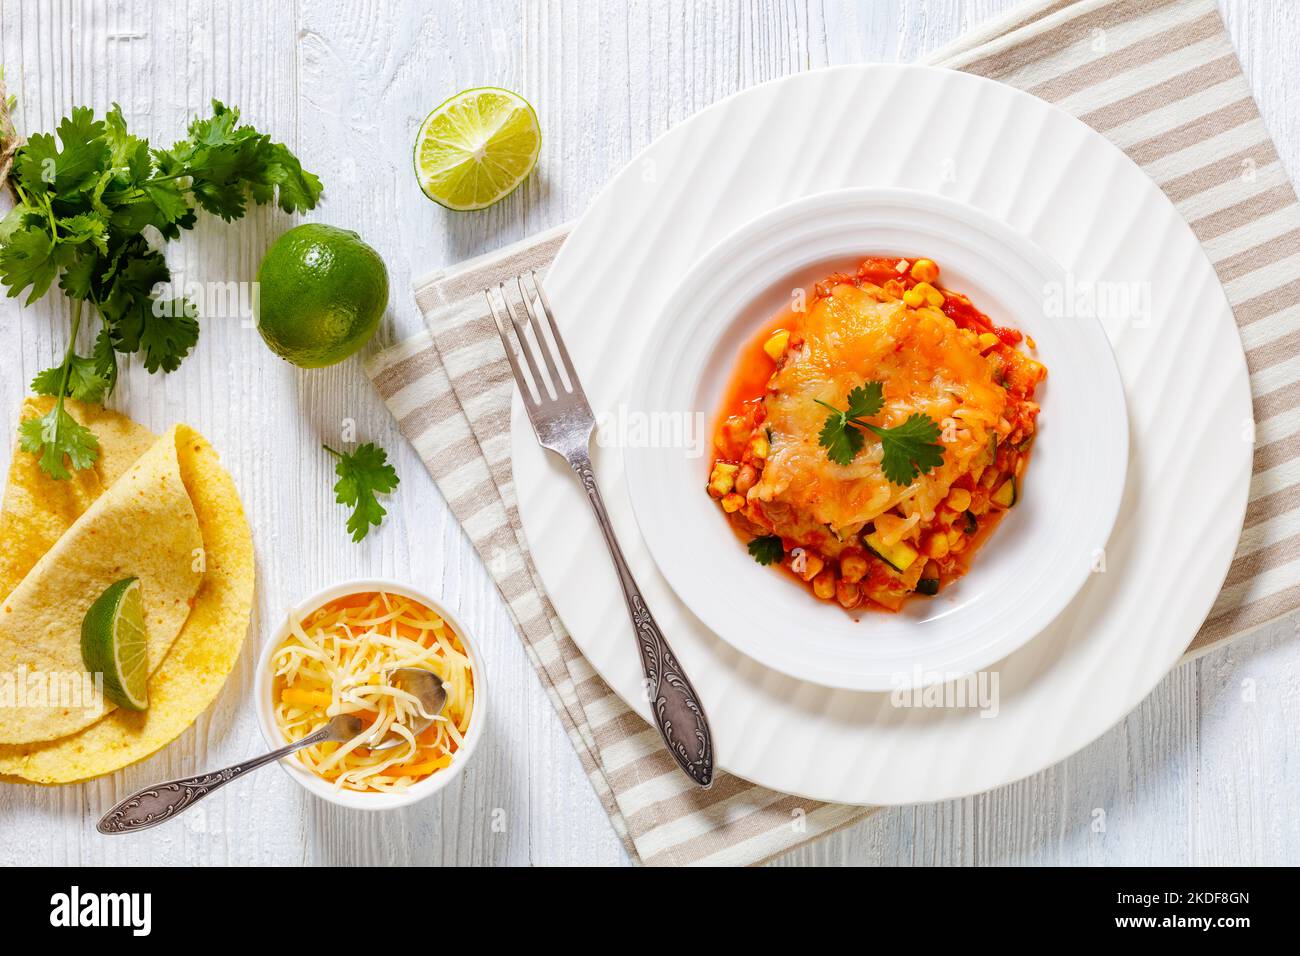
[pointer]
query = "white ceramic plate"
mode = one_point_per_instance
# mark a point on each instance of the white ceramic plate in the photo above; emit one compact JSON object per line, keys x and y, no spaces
{"x":1040,"y":554}
{"x":1083,"y":202}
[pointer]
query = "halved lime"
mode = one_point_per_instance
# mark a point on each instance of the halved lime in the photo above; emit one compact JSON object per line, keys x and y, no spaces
{"x":113,"y":643}
{"x":476,"y":148}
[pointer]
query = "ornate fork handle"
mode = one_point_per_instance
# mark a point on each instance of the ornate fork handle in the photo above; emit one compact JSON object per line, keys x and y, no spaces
{"x":159,"y":803}
{"x":677,"y":710}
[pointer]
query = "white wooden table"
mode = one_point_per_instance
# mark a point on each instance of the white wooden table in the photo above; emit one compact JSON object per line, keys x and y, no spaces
{"x":1206,"y":771}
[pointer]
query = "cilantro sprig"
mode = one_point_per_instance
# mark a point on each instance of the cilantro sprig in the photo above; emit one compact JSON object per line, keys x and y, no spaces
{"x":767,"y":549}
{"x":362,"y":474}
{"x":909,"y":449}
{"x":839,"y":437}
{"x":85,"y":201}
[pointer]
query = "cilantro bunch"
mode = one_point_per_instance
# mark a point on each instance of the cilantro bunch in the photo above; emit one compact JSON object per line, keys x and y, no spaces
{"x":909,"y":449}
{"x":88,"y":205}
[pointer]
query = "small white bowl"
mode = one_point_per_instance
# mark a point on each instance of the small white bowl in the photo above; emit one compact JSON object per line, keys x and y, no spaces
{"x":263,"y":683}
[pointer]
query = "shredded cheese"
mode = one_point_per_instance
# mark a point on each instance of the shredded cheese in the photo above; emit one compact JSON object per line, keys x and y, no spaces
{"x":337,"y":660}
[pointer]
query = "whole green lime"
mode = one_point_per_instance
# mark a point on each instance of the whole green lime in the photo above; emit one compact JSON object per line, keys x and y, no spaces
{"x":322,"y":292}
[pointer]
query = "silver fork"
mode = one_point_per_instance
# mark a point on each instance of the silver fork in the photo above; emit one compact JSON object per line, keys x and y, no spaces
{"x":563,"y":421}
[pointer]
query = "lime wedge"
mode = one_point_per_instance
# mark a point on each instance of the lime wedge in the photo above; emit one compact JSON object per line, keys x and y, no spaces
{"x":113,"y":644}
{"x":476,"y":148}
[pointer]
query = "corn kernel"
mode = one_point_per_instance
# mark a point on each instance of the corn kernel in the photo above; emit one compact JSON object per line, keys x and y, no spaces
{"x":848,"y":594}
{"x":913,"y":299}
{"x":824,"y":585}
{"x":813,"y":564}
{"x":987,"y":340}
{"x":732,"y":503}
{"x":722,"y":479}
{"x":959,"y":499}
{"x":759,"y":446}
{"x":925,"y":270}
{"x":853,"y":568}
{"x":936,"y":545}
{"x":954,"y":535}
{"x":775,"y":345}
{"x":934,"y":298}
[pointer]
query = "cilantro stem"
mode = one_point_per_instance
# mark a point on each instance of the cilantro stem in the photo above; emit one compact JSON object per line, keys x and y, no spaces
{"x":72,"y":347}
{"x":331,"y":450}
{"x":850,"y":421}
{"x":49,"y":214}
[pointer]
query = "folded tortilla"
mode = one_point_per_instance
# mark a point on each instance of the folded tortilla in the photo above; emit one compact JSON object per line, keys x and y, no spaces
{"x":37,"y":511}
{"x":201,"y":545}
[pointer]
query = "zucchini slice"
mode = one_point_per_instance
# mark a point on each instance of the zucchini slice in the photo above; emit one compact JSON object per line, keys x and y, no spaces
{"x":1007,"y":494}
{"x":991,"y":452}
{"x":898,"y":556}
{"x":928,"y":586}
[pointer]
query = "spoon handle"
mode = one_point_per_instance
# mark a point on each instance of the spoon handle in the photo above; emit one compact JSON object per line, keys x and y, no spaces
{"x":159,"y":803}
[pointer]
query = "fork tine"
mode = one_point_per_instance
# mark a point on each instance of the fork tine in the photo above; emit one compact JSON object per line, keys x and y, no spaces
{"x":542,"y":345}
{"x":520,"y":379}
{"x":544,"y":395}
{"x":555,"y":334}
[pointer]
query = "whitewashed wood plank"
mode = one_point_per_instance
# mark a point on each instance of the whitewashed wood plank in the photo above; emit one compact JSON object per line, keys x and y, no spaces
{"x":1198,"y":774}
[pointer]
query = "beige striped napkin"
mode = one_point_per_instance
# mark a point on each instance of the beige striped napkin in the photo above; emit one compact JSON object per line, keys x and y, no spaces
{"x":1161,"y":80}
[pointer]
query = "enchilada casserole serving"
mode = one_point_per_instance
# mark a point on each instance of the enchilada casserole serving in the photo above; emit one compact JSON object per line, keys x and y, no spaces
{"x":871,"y":439}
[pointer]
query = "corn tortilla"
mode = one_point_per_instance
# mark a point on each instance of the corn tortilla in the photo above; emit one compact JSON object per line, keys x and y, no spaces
{"x":142,"y":526}
{"x":37,"y":511}
{"x":192,"y":672}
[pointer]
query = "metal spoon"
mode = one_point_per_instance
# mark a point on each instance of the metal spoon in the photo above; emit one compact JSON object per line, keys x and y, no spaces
{"x":159,"y":803}
{"x":428,"y":689}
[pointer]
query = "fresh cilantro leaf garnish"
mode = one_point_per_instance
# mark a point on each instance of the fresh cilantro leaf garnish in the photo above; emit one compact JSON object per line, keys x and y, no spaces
{"x":361,"y":474}
{"x":84,"y":152}
{"x":839,"y":436}
{"x":909,"y":449}
{"x":86,"y":195}
{"x":841,"y":440}
{"x":767,"y":549}
{"x":866,"y":400}
{"x":56,"y":435}
{"x":28,"y":259}
{"x":162,"y":331}
{"x":88,"y":380}
{"x":37,"y":163}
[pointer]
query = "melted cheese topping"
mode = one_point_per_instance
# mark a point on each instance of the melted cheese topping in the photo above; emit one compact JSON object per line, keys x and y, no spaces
{"x":927,"y":364}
